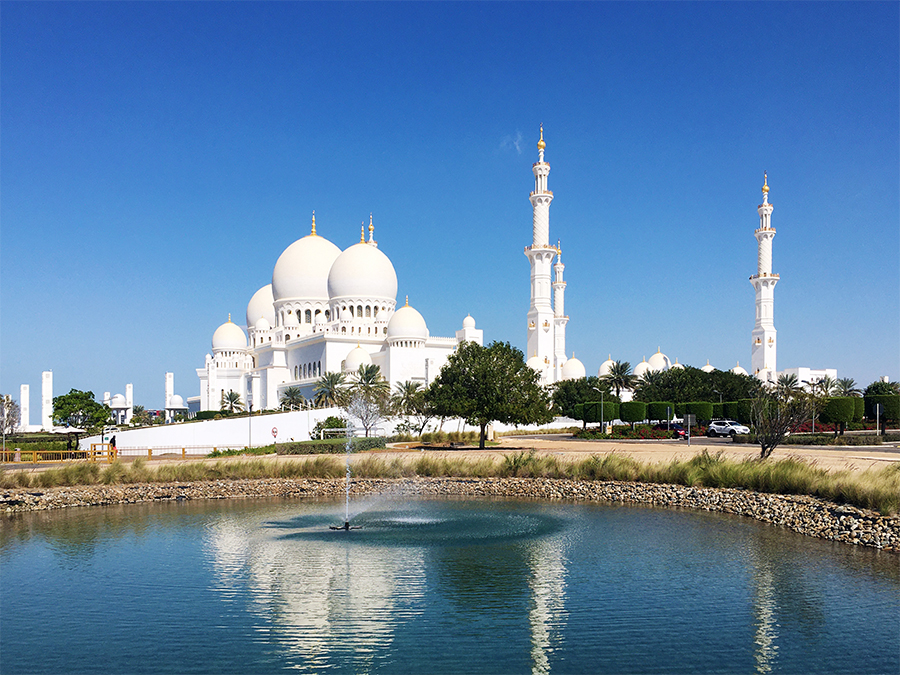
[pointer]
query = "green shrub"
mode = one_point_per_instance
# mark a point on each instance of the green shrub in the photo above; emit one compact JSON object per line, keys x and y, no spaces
{"x":838,"y":410}
{"x":891,"y":403}
{"x":211,"y":414}
{"x":745,"y":411}
{"x":656,"y":410}
{"x":330,"y":422}
{"x":718,"y":411}
{"x":329,"y":446}
{"x":730,"y":411}
{"x":599,"y":411}
{"x":859,"y":408}
{"x":702,"y":409}
{"x":633,"y":411}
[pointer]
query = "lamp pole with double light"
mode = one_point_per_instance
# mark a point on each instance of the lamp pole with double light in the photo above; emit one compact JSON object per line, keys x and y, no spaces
{"x":599,"y":391}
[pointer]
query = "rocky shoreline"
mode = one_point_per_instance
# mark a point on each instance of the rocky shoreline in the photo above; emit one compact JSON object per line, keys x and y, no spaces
{"x":806,"y":515}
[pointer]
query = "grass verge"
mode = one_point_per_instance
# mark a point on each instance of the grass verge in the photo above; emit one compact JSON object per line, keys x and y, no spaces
{"x":875,"y":489}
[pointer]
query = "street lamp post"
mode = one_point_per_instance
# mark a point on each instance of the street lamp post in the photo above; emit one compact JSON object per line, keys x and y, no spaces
{"x":601,"y":406}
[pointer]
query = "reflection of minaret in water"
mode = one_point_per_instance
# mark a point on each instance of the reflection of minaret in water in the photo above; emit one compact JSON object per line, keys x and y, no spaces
{"x":546,"y":615}
{"x":762,"y":353}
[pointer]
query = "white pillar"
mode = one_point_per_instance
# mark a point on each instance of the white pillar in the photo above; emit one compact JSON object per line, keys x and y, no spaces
{"x":129,"y":399}
{"x":47,"y":400}
{"x":170,"y":388}
{"x":24,"y":407}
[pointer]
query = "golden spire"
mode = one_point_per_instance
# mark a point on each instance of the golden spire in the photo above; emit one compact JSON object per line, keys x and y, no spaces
{"x":407,"y":301}
{"x":362,"y":233}
{"x":314,"y":224}
{"x":229,"y":317}
{"x":541,"y":144}
{"x":371,"y":229}
{"x":765,"y":187}
{"x":558,"y":249}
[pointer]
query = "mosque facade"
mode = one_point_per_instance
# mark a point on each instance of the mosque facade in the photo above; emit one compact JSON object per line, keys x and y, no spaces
{"x":325,"y":311}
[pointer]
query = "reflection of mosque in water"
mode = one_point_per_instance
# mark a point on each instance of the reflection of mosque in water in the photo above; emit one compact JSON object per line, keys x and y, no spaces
{"x":333,"y":602}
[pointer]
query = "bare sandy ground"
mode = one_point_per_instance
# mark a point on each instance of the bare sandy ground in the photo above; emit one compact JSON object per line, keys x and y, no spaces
{"x":832,"y":459}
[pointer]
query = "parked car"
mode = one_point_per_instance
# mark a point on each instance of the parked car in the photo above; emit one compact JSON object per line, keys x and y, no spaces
{"x":676,"y":429}
{"x":725,"y":428}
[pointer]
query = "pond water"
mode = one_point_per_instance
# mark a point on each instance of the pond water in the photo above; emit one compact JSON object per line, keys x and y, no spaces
{"x":436,"y":586}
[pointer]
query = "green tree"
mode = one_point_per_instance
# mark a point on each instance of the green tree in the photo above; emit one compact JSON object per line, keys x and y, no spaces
{"x":489,"y":384}
{"x":846,"y":386}
{"x":231,"y":402}
{"x":789,"y":384}
{"x":633,"y":411}
{"x":369,"y":383}
{"x":619,"y":377}
{"x":409,"y":401}
{"x":838,"y":410}
{"x":78,"y":410}
{"x":292,"y":398}
{"x":775,"y":415}
{"x":566,"y":394}
{"x":692,"y":384}
{"x":139,"y":416}
{"x":330,"y":389}
{"x":882,"y":388}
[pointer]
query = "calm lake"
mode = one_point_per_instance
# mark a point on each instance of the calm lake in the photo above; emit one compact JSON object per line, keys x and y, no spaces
{"x":436,"y":586}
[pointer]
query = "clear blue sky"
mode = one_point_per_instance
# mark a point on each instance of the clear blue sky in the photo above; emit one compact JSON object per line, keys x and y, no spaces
{"x":158,"y":157}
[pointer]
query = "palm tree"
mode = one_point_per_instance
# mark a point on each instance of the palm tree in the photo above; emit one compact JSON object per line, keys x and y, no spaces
{"x":846,"y":386}
{"x":788,"y":384}
{"x":824,"y":387}
{"x":405,"y":394}
{"x":231,"y":402}
{"x":292,"y":398}
{"x":620,"y":376}
{"x":330,"y":389}
{"x":369,"y":383}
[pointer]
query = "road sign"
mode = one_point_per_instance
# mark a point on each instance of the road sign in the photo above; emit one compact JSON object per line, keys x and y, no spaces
{"x":274,"y":432}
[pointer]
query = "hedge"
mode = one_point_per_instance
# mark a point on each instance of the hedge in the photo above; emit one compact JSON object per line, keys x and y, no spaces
{"x":859,"y":408}
{"x":591,"y":411}
{"x":891,"y":403}
{"x":745,"y":411}
{"x":702,"y":409}
{"x":656,"y":410}
{"x":730,"y":410}
{"x":633,"y":411}
{"x":329,"y":446}
{"x":817,"y":439}
{"x":718,"y":412}
{"x":838,"y":410}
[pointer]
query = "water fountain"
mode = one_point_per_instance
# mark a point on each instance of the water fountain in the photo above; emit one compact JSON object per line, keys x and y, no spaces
{"x":346,"y":527}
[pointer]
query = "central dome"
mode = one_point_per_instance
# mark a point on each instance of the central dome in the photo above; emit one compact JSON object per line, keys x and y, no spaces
{"x":302,"y":270}
{"x":362,"y":271}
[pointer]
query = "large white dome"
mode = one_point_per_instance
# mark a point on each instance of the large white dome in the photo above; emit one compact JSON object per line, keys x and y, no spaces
{"x":356,"y":358}
{"x":605,"y":367}
{"x":641,"y":368}
{"x":228,"y":337}
{"x":407,"y":324}
{"x":536,"y":363}
{"x":708,"y":368}
{"x":573,"y":369}
{"x":737,"y":370}
{"x":261,"y":305}
{"x":362,"y":271}
{"x":659,"y":361}
{"x":302,"y":270}
{"x":469,"y":322}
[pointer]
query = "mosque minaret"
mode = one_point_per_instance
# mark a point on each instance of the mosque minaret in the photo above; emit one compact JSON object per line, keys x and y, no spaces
{"x":762,"y":354}
{"x":546,"y":320}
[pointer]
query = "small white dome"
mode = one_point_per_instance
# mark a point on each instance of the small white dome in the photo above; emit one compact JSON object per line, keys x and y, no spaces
{"x":262,"y":324}
{"x":605,"y":367}
{"x":356,"y":358}
{"x":469,"y":322}
{"x":118,"y":402}
{"x":362,"y":271}
{"x":176,"y":403}
{"x":228,"y":337}
{"x":707,"y":368}
{"x":302,"y":270}
{"x":659,"y":361}
{"x":407,"y":324}
{"x":261,"y":305}
{"x":573,"y":369}
{"x":737,"y":370}
{"x":641,"y":368}
{"x":535,"y":363}
{"x":676,"y":365}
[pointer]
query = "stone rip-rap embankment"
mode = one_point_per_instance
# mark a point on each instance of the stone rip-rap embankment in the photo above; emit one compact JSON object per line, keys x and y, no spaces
{"x":806,"y":515}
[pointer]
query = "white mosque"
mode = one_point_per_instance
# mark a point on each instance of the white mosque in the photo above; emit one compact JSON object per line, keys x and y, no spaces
{"x":328,"y":310}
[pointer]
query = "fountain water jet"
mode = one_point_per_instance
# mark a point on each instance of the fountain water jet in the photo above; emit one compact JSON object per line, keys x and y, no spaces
{"x":346,"y":526}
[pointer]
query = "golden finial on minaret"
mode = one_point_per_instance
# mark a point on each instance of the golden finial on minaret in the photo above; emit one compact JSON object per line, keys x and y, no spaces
{"x":229,"y":317}
{"x":541,"y":144}
{"x":362,"y":233}
{"x":371,"y":229}
{"x":407,"y":301}
{"x":765,"y":187}
{"x":314,"y":223}
{"x":558,"y":249}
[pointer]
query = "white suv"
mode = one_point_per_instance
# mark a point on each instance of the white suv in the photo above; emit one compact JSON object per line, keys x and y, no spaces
{"x":726,"y":428}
